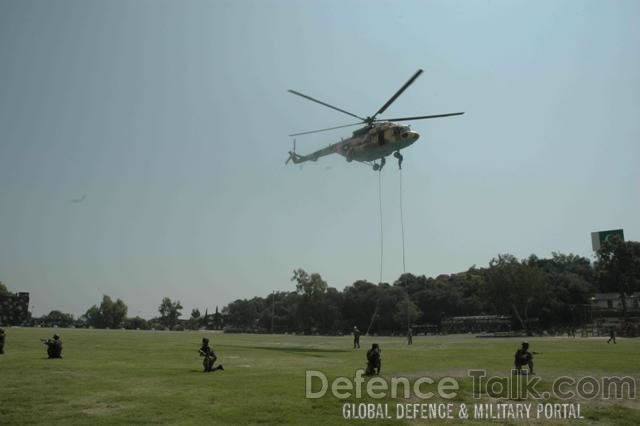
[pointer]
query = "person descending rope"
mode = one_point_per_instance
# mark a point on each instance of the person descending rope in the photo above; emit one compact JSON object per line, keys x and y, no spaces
{"x":400,"y":158}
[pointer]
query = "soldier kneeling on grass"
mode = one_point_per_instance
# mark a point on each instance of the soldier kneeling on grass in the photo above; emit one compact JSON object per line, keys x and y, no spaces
{"x":54,"y":347}
{"x":524,"y":357}
{"x":209,"y":357}
{"x":373,"y":360}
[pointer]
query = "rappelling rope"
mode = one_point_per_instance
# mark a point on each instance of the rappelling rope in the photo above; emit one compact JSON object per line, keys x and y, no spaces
{"x":381,"y":234}
{"x":404,"y":264}
{"x":404,"y":268}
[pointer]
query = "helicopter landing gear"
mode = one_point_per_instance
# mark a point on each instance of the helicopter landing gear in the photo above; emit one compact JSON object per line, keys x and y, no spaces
{"x":378,"y":167}
{"x":400,"y":158}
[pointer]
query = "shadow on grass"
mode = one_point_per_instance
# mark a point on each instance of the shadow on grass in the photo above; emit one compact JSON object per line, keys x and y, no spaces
{"x":317,"y":352}
{"x":201,"y":372}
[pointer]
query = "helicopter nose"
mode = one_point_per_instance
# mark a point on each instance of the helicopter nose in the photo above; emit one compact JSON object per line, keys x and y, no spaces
{"x":410,"y":136}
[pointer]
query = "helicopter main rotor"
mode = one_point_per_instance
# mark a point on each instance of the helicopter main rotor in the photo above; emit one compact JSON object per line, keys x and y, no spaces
{"x":371,"y":119}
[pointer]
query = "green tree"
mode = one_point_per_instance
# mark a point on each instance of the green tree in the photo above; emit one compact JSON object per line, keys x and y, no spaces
{"x":405,"y":313}
{"x":109,"y":314}
{"x":3,"y":289}
{"x":169,"y":312}
{"x":514,"y":287}
{"x":136,"y":323}
{"x":568,"y":289}
{"x":59,"y":319}
{"x":196,"y":319}
{"x":309,"y":285}
{"x":311,"y":307}
{"x":245,"y":314}
{"x":361,"y":305}
{"x":618,"y":268}
{"x":217,"y":319}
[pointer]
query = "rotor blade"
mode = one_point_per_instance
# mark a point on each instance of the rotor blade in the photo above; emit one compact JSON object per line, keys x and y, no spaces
{"x":398,"y":93}
{"x":422,"y":117}
{"x":325,"y":104}
{"x":324,"y":130}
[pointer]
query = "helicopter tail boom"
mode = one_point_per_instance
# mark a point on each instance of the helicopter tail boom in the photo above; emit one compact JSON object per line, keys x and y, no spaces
{"x":296,"y":158}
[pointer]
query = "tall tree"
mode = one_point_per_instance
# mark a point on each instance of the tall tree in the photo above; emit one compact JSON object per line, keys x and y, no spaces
{"x":514,"y":287}
{"x":361,"y":305}
{"x":313,"y":289}
{"x":109,"y":314}
{"x":245,"y":314}
{"x":568,"y":289}
{"x":405,"y":313}
{"x":196,"y":319}
{"x":169,"y":312}
{"x":618,"y":268}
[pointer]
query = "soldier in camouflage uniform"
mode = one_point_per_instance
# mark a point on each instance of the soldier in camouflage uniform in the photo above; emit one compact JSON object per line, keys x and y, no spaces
{"x":2,"y":337}
{"x":54,"y":347}
{"x":374,"y":363}
{"x":356,"y":337}
{"x":209,"y":356}
{"x":524,"y":357}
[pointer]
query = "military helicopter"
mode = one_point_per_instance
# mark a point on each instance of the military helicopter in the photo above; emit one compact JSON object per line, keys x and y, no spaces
{"x":376,"y":140}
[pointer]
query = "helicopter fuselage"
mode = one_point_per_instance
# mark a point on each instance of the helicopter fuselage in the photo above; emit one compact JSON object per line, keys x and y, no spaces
{"x":378,"y":142}
{"x":367,"y":144}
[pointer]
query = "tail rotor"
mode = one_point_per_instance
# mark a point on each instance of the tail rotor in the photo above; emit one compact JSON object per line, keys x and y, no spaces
{"x":292,"y":155}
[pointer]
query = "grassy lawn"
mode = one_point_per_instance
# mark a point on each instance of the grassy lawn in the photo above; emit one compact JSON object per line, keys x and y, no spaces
{"x":140,"y":377}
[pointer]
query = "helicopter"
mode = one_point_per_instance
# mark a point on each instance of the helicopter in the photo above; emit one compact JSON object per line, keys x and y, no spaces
{"x":374,"y":141}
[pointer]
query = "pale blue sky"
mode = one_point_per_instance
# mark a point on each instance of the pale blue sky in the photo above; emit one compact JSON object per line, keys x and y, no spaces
{"x":172,"y":116}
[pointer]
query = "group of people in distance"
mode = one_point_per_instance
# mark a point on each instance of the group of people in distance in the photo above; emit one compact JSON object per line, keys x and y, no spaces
{"x":523,"y":357}
{"x":54,"y":350}
{"x":54,"y":346}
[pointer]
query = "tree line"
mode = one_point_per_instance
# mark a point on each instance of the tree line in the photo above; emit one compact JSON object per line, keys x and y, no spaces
{"x":537,"y":293}
{"x":110,"y":314}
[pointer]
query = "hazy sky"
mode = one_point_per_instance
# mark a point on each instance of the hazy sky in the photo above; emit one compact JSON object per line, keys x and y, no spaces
{"x":172,"y":117}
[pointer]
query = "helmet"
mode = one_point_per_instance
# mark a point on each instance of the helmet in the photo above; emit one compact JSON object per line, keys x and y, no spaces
{"x":56,"y":337}
{"x":525,"y":344}
{"x":205,"y":340}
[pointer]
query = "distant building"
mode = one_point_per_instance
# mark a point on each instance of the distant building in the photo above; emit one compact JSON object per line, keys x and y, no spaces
{"x":608,"y":314}
{"x":613,"y":301}
{"x":14,"y":308}
{"x":477,"y":324}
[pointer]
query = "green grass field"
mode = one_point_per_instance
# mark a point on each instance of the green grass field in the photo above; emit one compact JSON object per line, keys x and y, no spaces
{"x":139,"y":377}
